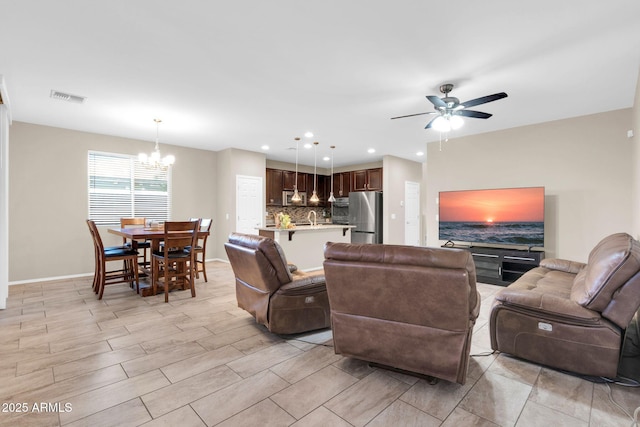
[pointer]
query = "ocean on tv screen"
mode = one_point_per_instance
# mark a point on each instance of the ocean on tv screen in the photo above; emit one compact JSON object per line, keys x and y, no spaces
{"x":507,"y":233}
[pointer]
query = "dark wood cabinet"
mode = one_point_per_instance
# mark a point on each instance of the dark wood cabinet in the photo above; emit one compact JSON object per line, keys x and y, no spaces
{"x":322,"y":186}
{"x":289,"y":178}
{"x":367,"y":180}
{"x":274,"y":187}
{"x":374,"y":179}
{"x":341,"y":184}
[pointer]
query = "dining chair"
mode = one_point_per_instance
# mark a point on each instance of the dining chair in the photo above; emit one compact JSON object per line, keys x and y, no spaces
{"x":201,"y":248}
{"x":102,"y":277}
{"x":173,"y":264}
{"x":141,"y":244}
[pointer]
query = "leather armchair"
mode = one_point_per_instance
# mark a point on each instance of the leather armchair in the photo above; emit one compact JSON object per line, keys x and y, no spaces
{"x":283,"y":299}
{"x":569,"y":315}
{"x":409,"y":308}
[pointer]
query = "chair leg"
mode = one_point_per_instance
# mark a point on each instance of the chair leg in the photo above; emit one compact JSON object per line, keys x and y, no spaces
{"x":103,"y":279}
{"x":204,"y":269}
{"x":166,"y":283}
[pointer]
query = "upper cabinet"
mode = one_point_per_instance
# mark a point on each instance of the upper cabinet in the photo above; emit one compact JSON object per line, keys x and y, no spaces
{"x":322,"y":189}
{"x":289,"y":178}
{"x":274,"y":187}
{"x":341,"y":184}
{"x":366,"y":180}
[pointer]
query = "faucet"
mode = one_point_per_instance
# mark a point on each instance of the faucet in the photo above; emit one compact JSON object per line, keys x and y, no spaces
{"x":315,"y":218}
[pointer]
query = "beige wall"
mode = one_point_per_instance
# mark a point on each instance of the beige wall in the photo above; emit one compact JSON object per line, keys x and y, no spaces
{"x":232,"y":162}
{"x":396,"y":172}
{"x":588,"y":165}
{"x":48,"y":207}
{"x":584,"y":163}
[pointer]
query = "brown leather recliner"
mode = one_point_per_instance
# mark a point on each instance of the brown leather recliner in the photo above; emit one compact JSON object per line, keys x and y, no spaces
{"x":569,"y":315}
{"x":410,"y":308}
{"x":285,"y":302}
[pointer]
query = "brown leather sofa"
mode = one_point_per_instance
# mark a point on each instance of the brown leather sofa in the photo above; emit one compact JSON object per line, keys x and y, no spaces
{"x":406,"y":307}
{"x":569,"y":315}
{"x":283,"y":299}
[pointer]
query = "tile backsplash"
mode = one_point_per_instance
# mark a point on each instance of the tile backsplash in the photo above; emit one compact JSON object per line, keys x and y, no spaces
{"x":298,"y":214}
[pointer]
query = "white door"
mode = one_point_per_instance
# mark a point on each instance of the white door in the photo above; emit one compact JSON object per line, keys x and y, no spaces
{"x":412,"y":213}
{"x":249,"y":204}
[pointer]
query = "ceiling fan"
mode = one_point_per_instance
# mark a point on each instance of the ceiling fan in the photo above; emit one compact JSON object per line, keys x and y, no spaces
{"x":449,"y":109}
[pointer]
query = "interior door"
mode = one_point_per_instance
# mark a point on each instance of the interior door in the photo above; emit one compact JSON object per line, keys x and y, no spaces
{"x":412,"y":213}
{"x":249,"y":204}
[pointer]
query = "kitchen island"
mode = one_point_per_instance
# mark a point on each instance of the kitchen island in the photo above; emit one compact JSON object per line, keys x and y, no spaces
{"x":304,"y":244}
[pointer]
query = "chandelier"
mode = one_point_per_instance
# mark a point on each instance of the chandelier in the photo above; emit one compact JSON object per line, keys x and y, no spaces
{"x":155,"y":160}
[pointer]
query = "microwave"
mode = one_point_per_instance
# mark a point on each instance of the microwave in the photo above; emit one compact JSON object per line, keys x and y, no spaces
{"x":287,"y":195}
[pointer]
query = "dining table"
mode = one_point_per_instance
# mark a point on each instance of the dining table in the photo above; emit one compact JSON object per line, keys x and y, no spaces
{"x":155,"y":235}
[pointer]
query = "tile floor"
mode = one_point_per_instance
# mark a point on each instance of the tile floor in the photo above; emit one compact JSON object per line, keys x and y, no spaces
{"x":68,"y":359}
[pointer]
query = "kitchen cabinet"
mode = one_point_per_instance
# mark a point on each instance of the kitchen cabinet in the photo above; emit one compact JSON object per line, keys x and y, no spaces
{"x":289,"y":178}
{"x":367,"y":180}
{"x":341,"y":184}
{"x":322,"y":189}
{"x":274,"y":187}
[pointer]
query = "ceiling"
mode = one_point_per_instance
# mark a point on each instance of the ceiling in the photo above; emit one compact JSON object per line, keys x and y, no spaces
{"x":249,"y":73}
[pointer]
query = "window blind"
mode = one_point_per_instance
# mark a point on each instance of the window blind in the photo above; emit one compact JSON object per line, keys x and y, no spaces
{"x":121,"y":187}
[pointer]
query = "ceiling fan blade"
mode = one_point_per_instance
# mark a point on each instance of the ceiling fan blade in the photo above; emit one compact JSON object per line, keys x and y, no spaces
{"x":484,"y":99}
{"x":439,"y":103}
{"x":474,"y":114}
{"x":411,"y":115}
{"x":428,"y":126}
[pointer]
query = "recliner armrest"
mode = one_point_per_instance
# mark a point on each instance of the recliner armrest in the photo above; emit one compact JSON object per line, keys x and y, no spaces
{"x":549,"y":306}
{"x":565,"y":265}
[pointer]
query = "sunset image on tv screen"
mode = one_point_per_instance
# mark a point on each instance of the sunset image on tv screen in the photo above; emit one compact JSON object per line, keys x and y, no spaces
{"x":512,"y":216}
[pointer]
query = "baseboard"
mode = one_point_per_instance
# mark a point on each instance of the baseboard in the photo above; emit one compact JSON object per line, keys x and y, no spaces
{"x":75,"y":276}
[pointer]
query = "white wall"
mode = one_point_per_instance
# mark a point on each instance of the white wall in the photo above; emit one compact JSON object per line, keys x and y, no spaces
{"x":585,"y":164}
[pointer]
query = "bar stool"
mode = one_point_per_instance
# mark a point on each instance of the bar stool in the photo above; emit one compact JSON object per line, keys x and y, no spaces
{"x":102,"y":277}
{"x":201,"y":248}
{"x":141,"y":244}
{"x":174,"y":263}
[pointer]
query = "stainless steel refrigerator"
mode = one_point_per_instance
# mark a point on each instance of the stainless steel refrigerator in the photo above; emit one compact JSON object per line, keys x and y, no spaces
{"x":365,"y":212}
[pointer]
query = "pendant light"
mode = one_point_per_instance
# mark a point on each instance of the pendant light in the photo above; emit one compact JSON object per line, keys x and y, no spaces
{"x":314,"y":197}
{"x":296,"y":196}
{"x":331,"y":197}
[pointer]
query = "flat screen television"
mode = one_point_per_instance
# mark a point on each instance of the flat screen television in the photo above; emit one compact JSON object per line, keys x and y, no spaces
{"x":504,"y":216}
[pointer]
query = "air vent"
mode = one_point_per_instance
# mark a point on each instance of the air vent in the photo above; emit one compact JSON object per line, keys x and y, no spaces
{"x":67,"y":97}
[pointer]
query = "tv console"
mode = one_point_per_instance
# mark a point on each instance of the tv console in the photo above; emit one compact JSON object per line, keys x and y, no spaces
{"x":502,"y":267}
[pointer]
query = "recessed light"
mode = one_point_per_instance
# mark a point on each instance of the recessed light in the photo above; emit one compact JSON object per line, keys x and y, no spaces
{"x":326,"y":158}
{"x":371,"y":150}
{"x":308,"y":135}
{"x":307,"y":145}
{"x":265,"y":147}
{"x":419,"y":153}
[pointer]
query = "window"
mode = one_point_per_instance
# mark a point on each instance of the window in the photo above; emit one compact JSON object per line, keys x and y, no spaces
{"x":121,"y":187}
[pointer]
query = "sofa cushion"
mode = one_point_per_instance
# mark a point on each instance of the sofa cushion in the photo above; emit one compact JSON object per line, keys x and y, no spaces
{"x":610,"y":265}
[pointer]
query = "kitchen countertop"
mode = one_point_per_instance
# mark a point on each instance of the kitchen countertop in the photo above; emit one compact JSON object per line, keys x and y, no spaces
{"x":302,"y":227}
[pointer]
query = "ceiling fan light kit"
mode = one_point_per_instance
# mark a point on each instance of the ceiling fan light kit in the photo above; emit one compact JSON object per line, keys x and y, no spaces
{"x":449,"y":109}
